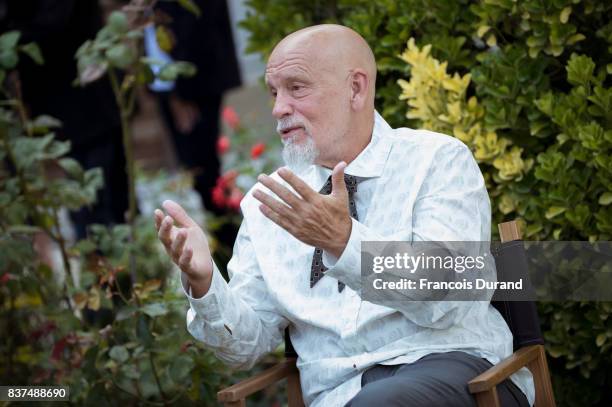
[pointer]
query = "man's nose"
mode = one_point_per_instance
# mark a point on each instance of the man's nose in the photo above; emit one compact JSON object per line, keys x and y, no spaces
{"x":282,"y":107}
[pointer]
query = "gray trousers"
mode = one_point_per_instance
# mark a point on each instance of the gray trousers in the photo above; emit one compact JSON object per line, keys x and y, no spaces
{"x":438,"y":379}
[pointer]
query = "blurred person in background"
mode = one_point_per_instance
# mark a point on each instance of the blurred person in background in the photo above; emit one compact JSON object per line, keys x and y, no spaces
{"x":191,"y":106}
{"x":89,"y":115}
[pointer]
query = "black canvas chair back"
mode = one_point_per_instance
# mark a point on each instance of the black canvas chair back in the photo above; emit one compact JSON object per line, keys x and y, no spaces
{"x":521,"y":316}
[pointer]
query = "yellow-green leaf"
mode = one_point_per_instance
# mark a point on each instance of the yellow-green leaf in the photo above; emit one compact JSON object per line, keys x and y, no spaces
{"x":93,"y":302}
{"x":601,"y":339}
{"x":164,"y":39}
{"x":575,"y":38}
{"x":554,"y":211}
{"x":605,"y":198}
{"x":482,"y":30}
{"x":565,"y":13}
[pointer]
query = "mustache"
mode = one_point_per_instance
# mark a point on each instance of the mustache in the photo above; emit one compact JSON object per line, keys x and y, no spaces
{"x":287,"y":123}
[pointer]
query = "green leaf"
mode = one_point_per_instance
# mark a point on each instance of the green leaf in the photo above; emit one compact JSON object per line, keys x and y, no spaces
{"x":580,"y":70}
{"x":119,"y":353}
{"x":72,"y":167}
{"x":92,"y":72}
{"x":605,"y":198}
{"x":170,"y":72}
{"x":180,"y":368}
{"x":532,"y":229}
{"x":43,"y":123}
{"x":601,"y":339}
{"x":57,"y":149}
{"x":164,"y":38}
{"x":8,"y":59}
{"x":554,"y":211}
{"x":33,"y":51}
{"x":120,"y":55}
{"x":190,"y":6}
{"x":118,"y":22}
{"x":155,"y":309}
{"x":87,"y":246}
{"x":144,"y":74}
{"x":130,"y":371}
{"x":142,"y":331}
{"x":9,"y":39}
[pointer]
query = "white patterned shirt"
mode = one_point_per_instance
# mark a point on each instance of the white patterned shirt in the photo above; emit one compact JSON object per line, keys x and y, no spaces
{"x":416,"y":185}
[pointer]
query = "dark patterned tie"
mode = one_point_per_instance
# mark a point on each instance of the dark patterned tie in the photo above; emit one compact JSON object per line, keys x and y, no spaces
{"x":317,"y":269}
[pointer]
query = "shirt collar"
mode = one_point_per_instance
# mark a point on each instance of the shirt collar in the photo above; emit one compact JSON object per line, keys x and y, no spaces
{"x":369,"y":163}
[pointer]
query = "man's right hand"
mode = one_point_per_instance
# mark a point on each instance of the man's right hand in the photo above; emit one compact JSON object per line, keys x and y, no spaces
{"x":187,"y":246}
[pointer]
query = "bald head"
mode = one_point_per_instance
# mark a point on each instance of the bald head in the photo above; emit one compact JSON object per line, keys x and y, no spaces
{"x":333,"y":48}
{"x":323,"y":81}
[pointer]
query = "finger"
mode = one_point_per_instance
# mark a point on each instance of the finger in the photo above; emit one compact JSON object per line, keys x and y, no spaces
{"x":164,"y":231}
{"x":338,"y":185}
{"x":178,"y":243}
{"x":184,"y":262}
{"x":275,"y":205}
{"x":275,"y":217}
{"x":296,"y":183}
{"x":283,"y":192}
{"x":177,"y":212}
{"x":159,"y":216}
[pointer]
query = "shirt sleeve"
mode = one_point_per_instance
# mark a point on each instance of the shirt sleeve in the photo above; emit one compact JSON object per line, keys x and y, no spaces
{"x":452,"y":206}
{"x":237,"y":320}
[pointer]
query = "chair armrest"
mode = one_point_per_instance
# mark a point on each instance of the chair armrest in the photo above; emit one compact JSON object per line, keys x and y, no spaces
{"x":501,"y":371}
{"x":258,"y":382}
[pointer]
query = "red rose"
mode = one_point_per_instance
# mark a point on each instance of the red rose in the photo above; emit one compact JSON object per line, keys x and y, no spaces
{"x":257,"y":150}
{"x":218,"y":195}
{"x":223,"y":144}
{"x":230,"y":117}
{"x":233,"y":202}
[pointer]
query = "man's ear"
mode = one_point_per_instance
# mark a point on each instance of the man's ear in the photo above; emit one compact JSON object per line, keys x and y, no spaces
{"x":360,"y":84}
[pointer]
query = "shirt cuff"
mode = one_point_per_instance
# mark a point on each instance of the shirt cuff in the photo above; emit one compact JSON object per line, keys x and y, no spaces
{"x":347,"y":268}
{"x":207,"y":307}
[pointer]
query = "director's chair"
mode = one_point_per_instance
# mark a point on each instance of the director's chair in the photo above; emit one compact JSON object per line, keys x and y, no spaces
{"x":521,"y":317}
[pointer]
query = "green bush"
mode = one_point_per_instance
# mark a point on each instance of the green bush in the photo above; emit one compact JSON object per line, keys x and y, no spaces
{"x":531,"y":98}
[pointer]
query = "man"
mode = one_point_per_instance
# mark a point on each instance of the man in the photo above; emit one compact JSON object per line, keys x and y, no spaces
{"x":403,"y":185}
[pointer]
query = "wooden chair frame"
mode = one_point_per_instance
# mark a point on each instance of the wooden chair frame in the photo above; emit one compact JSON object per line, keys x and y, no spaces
{"x":483,"y":386}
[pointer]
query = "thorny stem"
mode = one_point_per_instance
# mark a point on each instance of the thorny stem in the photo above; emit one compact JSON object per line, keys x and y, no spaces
{"x":129,"y":159}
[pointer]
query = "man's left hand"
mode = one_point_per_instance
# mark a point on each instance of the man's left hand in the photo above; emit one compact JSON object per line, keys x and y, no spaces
{"x":318,"y":220}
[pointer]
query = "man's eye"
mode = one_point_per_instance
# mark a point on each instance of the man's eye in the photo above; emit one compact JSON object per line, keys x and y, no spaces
{"x":296,"y":88}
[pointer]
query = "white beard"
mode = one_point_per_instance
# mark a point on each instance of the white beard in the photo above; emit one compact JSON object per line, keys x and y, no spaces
{"x":299,"y":156}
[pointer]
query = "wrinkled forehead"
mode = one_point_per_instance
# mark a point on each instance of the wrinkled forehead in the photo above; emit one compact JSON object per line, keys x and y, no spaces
{"x":287,"y":66}
{"x":298,"y":60}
